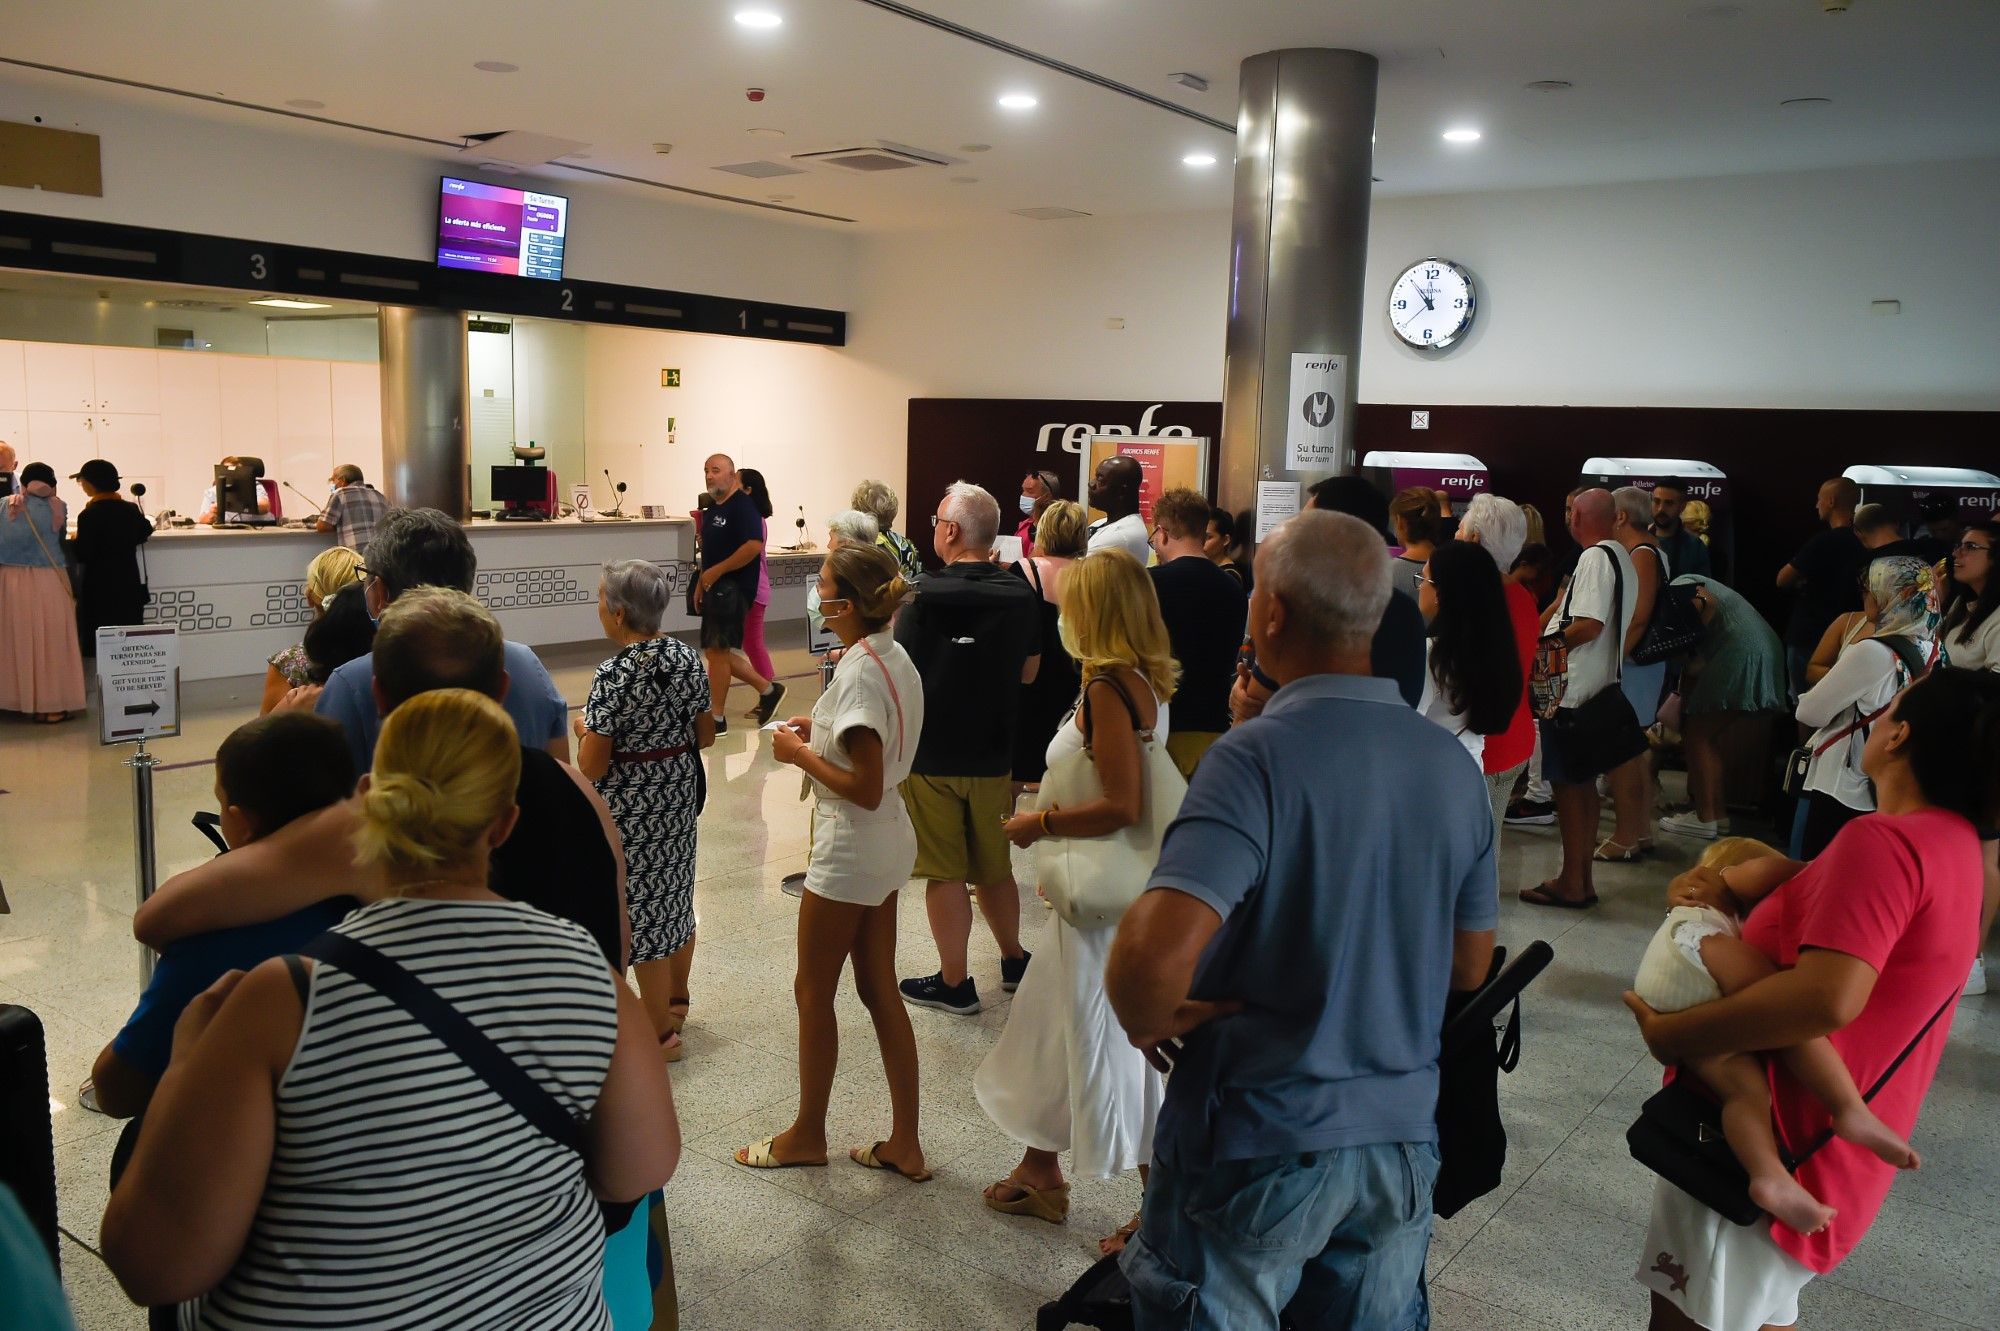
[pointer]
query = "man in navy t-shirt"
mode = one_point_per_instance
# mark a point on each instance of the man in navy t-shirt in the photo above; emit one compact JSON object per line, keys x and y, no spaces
{"x":732,"y":547}
{"x":267,"y":773}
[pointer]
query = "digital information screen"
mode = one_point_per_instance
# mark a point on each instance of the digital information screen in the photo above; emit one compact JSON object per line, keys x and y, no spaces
{"x":493,"y":229}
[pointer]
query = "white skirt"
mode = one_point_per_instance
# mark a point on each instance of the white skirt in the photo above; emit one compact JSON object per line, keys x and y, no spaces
{"x":1064,"y":1077}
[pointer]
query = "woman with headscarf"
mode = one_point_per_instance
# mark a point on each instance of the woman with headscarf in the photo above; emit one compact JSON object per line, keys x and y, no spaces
{"x":41,"y":668}
{"x":1901,"y":599}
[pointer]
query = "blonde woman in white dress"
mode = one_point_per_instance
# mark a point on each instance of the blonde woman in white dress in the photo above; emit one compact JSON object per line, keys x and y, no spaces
{"x":1063,"y":1076}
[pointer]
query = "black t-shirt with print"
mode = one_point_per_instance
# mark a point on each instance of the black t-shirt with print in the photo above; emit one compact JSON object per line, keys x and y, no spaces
{"x":724,"y":529}
{"x":969,"y":630}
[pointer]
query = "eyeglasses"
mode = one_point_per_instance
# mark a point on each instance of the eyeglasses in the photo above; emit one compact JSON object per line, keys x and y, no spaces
{"x":937,"y":518}
{"x":1426,"y":580}
{"x":1970,"y":545}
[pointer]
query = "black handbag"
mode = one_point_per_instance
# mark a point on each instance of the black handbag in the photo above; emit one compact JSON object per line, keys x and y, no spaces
{"x":1477,"y":1045}
{"x":1678,"y":1135}
{"x":1675,"y":628}
{"x":1601,"y":732}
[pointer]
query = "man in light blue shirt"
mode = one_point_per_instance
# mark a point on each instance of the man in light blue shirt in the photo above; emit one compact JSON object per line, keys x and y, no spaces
{"x":421,"y":547}
{"x":1330,"y":878}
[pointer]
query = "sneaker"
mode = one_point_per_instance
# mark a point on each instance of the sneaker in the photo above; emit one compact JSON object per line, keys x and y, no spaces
{"x":931,"y":991}
{"x":1687,"y":825}
{"x":1530,"y":813}
{"x":1012,"y":969}
{"x":721,"y":725}
{"x":1975,"y":983}
{"x":767,"y":702}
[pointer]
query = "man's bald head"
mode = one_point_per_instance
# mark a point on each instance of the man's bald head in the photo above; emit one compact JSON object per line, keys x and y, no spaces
{"x":8,"y":460}
{"x":1114,"y":486}
{"x":1838,"y":496}
{"x":1590,"y":515}
{"x":719,"y":475}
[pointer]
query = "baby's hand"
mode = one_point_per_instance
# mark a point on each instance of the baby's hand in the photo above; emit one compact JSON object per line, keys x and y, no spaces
{"x":1703,"y":886}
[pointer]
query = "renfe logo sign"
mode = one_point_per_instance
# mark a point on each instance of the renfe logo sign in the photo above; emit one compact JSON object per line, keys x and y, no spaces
{"x":1075,"y":438}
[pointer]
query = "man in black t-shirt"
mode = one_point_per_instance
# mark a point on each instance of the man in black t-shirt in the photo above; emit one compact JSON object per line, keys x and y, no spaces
{"x":1204,"y":609}
{"x":732,"y":548}
{"x":973,"y":632}
{"x":1826,"y":575}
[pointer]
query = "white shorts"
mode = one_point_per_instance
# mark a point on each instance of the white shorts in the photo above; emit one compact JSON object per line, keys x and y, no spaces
{"x":1724,"y":1276}
{"x":860,"y":861}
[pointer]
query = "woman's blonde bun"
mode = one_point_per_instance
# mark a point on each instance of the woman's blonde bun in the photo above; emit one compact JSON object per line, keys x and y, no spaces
{"x":446,"y":767}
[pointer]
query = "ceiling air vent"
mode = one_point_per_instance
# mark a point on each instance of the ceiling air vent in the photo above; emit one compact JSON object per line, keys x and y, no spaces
{"x":1047,"y":214}
{"x":518,"y":148}
{"x":761,"y":170}
{"x":878,"y":156}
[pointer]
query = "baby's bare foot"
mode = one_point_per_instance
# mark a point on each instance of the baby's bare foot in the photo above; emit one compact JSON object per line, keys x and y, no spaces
{"x":1860,"y":1126}
{"x":1788,"y":1201}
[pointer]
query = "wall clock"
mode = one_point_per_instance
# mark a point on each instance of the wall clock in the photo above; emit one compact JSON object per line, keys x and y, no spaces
{"x":1431,"y":304}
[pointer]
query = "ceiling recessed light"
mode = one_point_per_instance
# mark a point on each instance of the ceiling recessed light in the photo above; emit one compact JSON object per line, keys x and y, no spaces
{"x":781,"y":198}
{"x":282,"y":303}
{"x":1805,"y":103}
{"x":1549,"y":85}
{"x":1461,"y":136}
{"x":965,"y":180}
{"x":663,"y":148}
{"x":759,"y":18}
{"x":1198,"y":159}
{"x":495,"y":66}
{"x":1018,"y":101}
{"x":306,"y":104}
{"x":766,"y":132}
{"x":975,"y":147}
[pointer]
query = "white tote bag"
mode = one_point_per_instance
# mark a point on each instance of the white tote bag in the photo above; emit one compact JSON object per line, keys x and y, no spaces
{"x":1092,"y":880}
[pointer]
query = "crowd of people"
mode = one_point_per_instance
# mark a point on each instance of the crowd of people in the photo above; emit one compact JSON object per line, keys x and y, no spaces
{"x":438,"y":881}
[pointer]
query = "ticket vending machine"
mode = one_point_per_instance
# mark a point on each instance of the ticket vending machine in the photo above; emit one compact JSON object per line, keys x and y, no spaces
{"x":1930,"y":502}
{"x":1459,"y":476}
{"x":1705,"y":485}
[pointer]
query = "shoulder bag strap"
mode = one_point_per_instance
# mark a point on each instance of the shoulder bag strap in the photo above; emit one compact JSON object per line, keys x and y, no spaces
{"x":1883,"y":1080}
{"x":1131,"y":708}
{"x":894,"y":696}
{"x":506,"y":1078}
{"x":29,"y":515}
{"x":1035,"y":576}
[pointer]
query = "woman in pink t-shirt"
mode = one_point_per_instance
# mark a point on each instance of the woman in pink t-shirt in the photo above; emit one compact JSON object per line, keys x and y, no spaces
{"x":1874,"y":937}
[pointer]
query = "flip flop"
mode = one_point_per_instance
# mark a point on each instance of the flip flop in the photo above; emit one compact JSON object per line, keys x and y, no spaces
{"x":1050,"y":1204}
{"x":758,"y":1156}
{"x":1545,"y":895}
{"x":869,"y":1157}
{"x":672,"y":1047}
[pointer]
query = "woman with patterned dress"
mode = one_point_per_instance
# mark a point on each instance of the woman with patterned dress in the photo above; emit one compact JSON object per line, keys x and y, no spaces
{"x":638,"y":740}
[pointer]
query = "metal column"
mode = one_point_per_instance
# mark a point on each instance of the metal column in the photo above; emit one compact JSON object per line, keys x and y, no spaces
{"x":145,"y":852}
{"x":1298,"y":253}
{"x":426,"y":403}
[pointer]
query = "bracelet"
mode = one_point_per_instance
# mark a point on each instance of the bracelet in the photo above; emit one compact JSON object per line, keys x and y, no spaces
{"x":1043,"y":822}
{"x":1257,"y":673}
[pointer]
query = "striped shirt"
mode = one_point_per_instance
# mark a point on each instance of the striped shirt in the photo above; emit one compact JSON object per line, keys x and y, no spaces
{"x":403,"y":1191}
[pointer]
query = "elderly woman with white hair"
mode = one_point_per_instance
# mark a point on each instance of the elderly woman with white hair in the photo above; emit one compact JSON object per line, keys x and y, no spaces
{"x":1500,"y":528}
{"x":877,"y":498}
{"x":637,"y":741}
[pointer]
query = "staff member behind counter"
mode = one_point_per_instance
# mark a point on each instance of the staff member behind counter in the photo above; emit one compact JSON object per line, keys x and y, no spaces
{"x":266,"y":491}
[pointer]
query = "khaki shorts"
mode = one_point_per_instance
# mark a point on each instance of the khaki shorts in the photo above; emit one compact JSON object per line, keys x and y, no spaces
{"x":958,"y":822}
{"x":1186,"y":747}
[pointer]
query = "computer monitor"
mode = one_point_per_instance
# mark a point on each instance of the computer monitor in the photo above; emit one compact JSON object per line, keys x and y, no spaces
{"x":236,"y":490}
{"x":6,"y":483}
{"x":520,"y":485}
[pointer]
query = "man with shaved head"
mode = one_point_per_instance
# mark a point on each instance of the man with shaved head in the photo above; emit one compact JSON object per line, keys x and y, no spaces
{"x":732,"y":543}
{"x":1291,"y":961}
{"x":1114,"y":488}
{"x":1826,"y":574}
{"x":1581,"y":743}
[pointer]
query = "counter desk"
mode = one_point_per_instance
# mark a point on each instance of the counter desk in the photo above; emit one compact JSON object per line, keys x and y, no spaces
{"x":237,"y":594}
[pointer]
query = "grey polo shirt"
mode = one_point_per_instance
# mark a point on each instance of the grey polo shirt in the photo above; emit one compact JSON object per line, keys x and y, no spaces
{"x":1343,"y":839}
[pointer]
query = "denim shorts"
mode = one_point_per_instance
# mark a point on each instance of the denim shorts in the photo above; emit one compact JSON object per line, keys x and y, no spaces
{"x":1337,"y":1237}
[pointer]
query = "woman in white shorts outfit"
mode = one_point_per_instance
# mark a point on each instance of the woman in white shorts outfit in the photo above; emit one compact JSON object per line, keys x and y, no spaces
{"x":855,"y":751}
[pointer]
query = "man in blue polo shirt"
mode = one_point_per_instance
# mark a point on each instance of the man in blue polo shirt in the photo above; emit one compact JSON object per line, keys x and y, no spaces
{"x":1291,"y":961}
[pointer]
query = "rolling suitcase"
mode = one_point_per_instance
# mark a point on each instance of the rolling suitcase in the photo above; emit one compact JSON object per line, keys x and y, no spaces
{"x":27,"y":1134}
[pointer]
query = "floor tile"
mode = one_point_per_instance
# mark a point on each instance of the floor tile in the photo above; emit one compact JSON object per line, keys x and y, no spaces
{"x":1555,"y":1263}
{"x":94,"y":1296}
{"x":1930,"y":1260}
{"x":726,"y":1222}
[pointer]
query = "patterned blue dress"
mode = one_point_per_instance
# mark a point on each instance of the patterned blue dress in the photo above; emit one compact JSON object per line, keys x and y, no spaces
{"x":645,"y":700}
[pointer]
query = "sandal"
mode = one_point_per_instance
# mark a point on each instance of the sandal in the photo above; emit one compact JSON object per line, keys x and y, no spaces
{"x":758,"y":1156}
{"x":1119,"y":1237}
{"x":672,"y":1047}
{"x":1050,"y":1204}
{"x":677,"y":1013}
{"x":870,"y":1157}
{"x":1613,"y":852}
{"x":1545,"y":894}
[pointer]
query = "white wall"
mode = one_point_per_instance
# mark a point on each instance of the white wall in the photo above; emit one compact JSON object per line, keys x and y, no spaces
{"x":259,"y":177}
{"x":814,"y":420}
{"x":1743,"y":291}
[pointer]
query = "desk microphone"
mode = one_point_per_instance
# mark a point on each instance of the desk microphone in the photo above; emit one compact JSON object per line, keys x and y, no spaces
{"x":139,"y":497}
{"x":317,"y":508}
{"x":617,"y":512}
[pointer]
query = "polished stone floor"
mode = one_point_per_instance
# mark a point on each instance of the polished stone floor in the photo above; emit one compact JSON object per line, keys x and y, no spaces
{"x":846,"y":1248}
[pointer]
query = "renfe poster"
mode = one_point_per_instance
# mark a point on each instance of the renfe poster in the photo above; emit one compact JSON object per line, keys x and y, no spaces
{"x":493,"y":229}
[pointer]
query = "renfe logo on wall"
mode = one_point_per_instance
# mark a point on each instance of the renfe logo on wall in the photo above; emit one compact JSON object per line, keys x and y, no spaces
{"x":1075,"y":438}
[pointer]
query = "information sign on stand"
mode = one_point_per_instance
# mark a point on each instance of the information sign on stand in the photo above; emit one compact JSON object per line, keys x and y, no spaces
{"x":139,"y":698}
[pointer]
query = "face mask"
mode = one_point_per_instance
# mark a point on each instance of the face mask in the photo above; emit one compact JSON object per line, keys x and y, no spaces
{"x":1027,"y":505}
{"x":813,"y":615}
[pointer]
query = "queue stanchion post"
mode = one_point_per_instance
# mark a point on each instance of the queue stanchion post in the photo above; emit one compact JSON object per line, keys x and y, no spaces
{"x":145,"y":848}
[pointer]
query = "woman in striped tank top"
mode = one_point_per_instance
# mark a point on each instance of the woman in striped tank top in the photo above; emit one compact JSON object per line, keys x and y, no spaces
{"x":316,"y":1156}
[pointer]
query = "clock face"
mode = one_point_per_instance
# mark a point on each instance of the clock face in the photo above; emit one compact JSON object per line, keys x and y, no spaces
{"x":1431,"y":304}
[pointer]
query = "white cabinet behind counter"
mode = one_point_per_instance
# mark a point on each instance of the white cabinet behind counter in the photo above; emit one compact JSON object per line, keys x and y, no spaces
{"x":238,"y":595}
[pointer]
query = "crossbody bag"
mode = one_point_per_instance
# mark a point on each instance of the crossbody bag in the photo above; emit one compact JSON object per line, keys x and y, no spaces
{"x":63,"y":570}
{"x":1675,"y":628}
{"x":1799,"y":762}
{"x":1602,"y":731}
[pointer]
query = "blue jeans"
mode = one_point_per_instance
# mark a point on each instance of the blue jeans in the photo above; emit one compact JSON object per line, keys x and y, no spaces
{"x":1337,"y":1238}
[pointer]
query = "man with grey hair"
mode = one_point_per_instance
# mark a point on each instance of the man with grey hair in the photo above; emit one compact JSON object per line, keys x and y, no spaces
{"x":354,"y":509}
{"x":1500,"y":528}
{"x":973,"y":631}
{"x":421,"y":547}
{"x":1291,"y":964}
{"x":1581,"y":743}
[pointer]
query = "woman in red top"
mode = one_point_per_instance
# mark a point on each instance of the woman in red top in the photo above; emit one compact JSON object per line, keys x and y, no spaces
{"x":1873,"y":937}
{"x":1499,"y":526}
